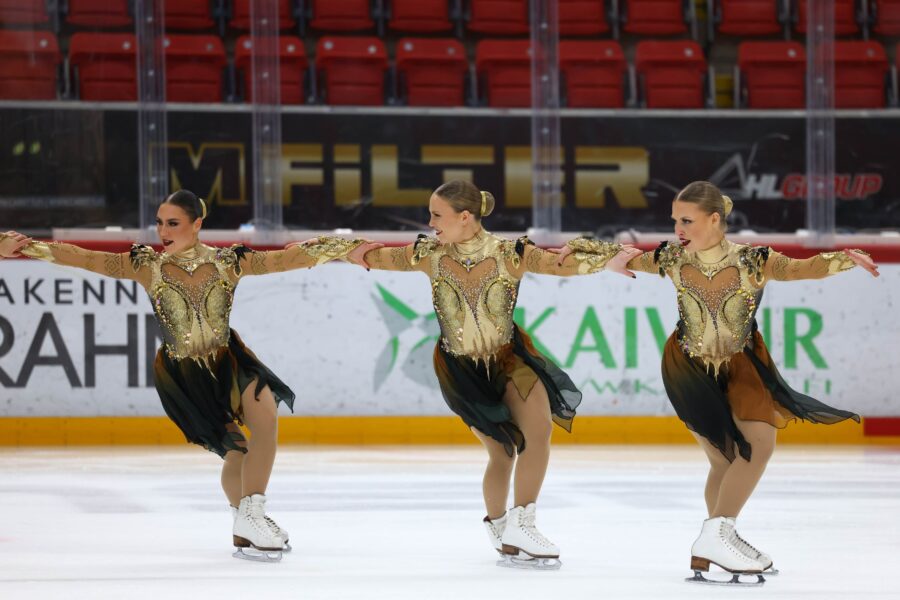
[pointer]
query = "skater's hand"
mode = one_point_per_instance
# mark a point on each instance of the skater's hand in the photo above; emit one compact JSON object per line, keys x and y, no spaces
{"x":12,"y":243}
{"x":619,"y":262}
{"x":562,"y":252}
{"x":863,"y":260}
{"x":358,"y":256}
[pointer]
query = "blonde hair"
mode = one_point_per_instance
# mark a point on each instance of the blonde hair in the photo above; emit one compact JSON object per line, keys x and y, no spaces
{"x":464,"y":195}
{"x":708,"y":198}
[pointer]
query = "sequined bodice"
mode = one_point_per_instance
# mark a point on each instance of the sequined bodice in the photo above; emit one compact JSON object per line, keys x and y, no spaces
{"x":474,"y":295}
{"x":192,"y":295}
{"x":719,"y":291}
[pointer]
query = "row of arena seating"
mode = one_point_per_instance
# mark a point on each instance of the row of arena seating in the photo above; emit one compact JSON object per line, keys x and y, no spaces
{"x":484,"y":17}
{"x":435,"y":72}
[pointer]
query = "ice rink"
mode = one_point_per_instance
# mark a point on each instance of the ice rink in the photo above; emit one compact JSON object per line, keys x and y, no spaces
{"x":404,"y":523}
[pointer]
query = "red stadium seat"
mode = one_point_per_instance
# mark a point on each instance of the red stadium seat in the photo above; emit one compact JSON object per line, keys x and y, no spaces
{"x":654,"y":17}
{"x":887,"y":17}
{"x":346,"y":15}
{"x":844,"y":17}
{"x":672,"y":74}
{"x":293,"y":65}
{"x":499,"y":17}
{"x":23,"y":12}
{"x":748,"y":17}
{"x":859,"y":74}
{"x":188,"y":14}
{"x":420,"y":16}
{"x":106,"y":65}
{"x":433,"y":71}
{"x":594,"y":73}
{"x":582,"y":17}
{"x":240,"y":17}
{"x":194,"y":66}
{"x":773,"y":73}
{"x":28,"y":65}
{"x":99,"y":13}
{"x":353,"y":68}
{"x":504,"y":71}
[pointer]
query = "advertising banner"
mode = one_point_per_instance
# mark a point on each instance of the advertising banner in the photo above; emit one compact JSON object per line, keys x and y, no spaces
{"x":351,"y":342}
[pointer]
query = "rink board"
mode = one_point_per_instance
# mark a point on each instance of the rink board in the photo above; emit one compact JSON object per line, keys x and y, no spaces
{"x":76,"y":354}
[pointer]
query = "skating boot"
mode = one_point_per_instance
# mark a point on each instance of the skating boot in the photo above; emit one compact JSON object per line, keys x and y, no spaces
{"x":494,"y":530}
{"x":752,"y":552}
{"x":282,"y":532}
{"x":253,"y":537}
{"x":523,"y":545}
{"x":716,"y":545}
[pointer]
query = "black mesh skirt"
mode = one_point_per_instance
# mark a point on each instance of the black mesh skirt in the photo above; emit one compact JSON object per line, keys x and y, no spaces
{"x":202,"y":398}
{"x":749,"y":387}
{"x":474,"y":390}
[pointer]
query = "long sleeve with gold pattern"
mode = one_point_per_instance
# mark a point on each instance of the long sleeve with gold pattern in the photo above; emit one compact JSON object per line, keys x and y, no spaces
{"x":782,"y":268}
{"x":120,"y":265}
{"x":645,"y":263}
{"x":398,"y":258}
{"x":302,"y":256}
{"x":588,"y":256}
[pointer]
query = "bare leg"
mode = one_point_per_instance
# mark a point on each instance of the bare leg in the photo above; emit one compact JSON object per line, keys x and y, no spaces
{"x":532,"y":416}
{"x":742,"y":476}
{"x":495,"y":485}
{"x":718,"y":465}
{"x":231,"y":471}
{"x":261,"y":417}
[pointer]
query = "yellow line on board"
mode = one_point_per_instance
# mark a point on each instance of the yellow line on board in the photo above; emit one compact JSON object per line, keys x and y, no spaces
{"x":375,"y":430}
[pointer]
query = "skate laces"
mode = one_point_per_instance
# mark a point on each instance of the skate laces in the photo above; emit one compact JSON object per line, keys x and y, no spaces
{"x":744,"y":545}
{"x":527,"y":522}
{"x":256,"y":511}
{"x":272,"y":524}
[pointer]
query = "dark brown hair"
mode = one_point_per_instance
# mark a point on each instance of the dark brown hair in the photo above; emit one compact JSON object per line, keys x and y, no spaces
{"x":188,"y":201}
{"x":464,"y":195}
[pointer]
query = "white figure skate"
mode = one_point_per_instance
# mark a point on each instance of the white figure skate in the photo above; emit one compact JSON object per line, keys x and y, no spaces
{"x":523,"y":546}
{"x":495,"y":530}
{"x":716,"y":545}
{"x":253,"y":537}
{"x":752,"y":552}
{"x":282,"y":532}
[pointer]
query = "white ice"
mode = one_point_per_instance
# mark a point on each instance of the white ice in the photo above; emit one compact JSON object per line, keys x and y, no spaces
{"x":405,"y":523}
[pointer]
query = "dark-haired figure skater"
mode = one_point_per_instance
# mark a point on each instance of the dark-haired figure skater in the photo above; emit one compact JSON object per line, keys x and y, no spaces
{"x":209,"y":382}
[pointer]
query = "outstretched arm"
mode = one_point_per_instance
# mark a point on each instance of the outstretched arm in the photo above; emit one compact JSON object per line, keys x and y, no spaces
{"x":298,"y":255}
{"x":399,"y":258}
{"x":581,"y":256}
{"x":120,"y":265}
{"x":783,"y":268}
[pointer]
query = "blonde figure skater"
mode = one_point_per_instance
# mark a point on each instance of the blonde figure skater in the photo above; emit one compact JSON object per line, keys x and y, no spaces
{"x":490,"y":373}
{"x":717,"y":371}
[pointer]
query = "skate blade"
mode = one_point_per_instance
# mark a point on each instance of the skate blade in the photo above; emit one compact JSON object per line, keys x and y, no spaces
{"x":523,"y":561}
{"x":252,"y":554}
{"x":735,"y":579}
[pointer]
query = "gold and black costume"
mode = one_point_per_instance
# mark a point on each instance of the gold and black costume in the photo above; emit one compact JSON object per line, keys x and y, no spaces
{"x":716,"y":365}
{"x":203,"y":367}
{"x":475,"y":285}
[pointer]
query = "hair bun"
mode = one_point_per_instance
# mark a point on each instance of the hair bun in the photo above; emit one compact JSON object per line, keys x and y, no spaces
{"x":729,"y":205}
